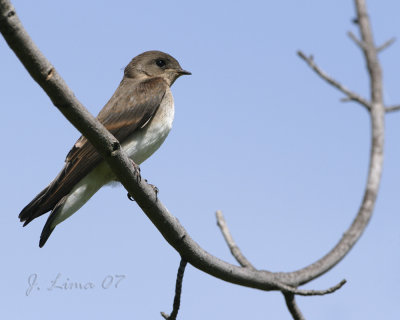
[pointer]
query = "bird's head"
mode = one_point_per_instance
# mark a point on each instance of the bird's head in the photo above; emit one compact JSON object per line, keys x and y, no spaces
{"x":154,"y":64}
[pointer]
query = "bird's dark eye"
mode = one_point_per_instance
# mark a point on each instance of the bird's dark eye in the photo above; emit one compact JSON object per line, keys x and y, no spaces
{"x":160,"y":63}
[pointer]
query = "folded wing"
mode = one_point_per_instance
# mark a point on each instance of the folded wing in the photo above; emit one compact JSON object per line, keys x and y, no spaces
{"x":131,"y":108}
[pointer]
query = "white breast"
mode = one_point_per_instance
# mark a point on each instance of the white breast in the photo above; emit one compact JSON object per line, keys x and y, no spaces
{"x":146,"y":141}
{"x":139,"y":147}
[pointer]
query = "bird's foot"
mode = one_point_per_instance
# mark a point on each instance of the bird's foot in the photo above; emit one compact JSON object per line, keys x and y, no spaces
{"x":136,"y":169}
{"x":155,"y":189}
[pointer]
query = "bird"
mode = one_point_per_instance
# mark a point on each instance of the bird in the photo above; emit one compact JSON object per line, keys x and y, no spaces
{"x":139,"y":114}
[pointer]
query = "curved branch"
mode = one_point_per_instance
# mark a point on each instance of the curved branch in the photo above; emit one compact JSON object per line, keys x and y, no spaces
{"x":238,"y":255}
{"x":63,"y":98}
{"x":377,"y":112}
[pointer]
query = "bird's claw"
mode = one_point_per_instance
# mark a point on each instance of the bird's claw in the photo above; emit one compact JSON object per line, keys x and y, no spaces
{"x":136,"y":168}
{"x":155,"y":189}
{"x":130,"y":197}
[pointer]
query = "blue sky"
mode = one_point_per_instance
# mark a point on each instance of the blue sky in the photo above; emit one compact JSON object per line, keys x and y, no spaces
{"x":256,"y":134}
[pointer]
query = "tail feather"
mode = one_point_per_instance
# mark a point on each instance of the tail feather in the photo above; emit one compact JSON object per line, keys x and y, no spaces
{"x":47,"y":230}
{"x":50,"y":223}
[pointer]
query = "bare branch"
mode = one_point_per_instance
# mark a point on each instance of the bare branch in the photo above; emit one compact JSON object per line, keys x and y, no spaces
{"x":178,"y":292}
{"x":347,"y":99}
{"x":353,"y":37}
{"x":362,"y":45}
{"x":288,"y":292}
{"x":364,"y":214}
{"x":350,"y":94}
{"x":392,"y":108}
{"x":231,"y":243}
{"x":386,"y":44}
{"x":245,"y":263}
{"x":370,"y":52}
{"x":287,"y":289}
{"x":62,"y":97}
{"x":292,"y":306}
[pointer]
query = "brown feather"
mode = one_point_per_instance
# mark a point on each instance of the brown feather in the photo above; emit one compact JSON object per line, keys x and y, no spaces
{"x":132,"y":106}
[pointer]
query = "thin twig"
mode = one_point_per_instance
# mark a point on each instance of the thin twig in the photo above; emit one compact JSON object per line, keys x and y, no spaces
{"x":230,"y":242}
{"x":386,"y":44}
{"x":292,"y":306}
{"x":353,"y":37}
{"x":350,"y":94}
{"x":178,"y":292}
{"x":245,"y":263}
{"x":392,"y":108}
{"x":284,"y":288}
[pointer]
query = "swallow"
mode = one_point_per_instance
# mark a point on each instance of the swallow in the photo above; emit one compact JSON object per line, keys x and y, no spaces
{"x":139,"y":114}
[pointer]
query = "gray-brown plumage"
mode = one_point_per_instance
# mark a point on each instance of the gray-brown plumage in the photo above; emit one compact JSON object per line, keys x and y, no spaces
{"x":139,"y":115}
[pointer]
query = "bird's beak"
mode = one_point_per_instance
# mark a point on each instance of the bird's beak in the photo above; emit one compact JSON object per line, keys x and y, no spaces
{"x":182,"y":72}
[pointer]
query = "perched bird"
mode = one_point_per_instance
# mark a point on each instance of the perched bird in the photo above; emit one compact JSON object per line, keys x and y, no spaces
{"x":139,"y":115}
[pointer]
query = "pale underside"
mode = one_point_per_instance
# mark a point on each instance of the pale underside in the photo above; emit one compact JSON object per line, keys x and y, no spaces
{"x":139,"y":146}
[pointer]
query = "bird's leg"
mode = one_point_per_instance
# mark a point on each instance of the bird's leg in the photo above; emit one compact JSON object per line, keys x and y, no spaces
{"x":136,"y":169}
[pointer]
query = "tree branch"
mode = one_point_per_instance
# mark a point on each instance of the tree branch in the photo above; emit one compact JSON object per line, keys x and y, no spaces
{"x":292,"y":306}
{"x":392,"y":108}
{"x":359,"y":224}
{"x":63,"y":98}
{"x":350,"y":94}
{"x":241,"y":259}
{"x":287,"y":291}
{"x":178,"y":292}
{"x":237,"y":254}
{"x":353,"y":37}
{"x":386,"y":45}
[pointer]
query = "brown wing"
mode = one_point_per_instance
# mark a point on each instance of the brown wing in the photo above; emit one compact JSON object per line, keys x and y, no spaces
{"x":130,"y":108}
